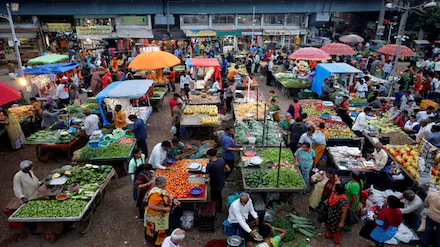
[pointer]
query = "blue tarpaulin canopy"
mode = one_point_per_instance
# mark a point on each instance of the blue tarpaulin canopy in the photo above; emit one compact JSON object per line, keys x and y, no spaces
{"x":324,"y":70}
{"x":131,"y":89}
{"x":55,"y":68}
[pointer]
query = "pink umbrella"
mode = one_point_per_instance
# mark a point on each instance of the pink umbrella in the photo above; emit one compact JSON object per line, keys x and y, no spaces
{"x":310,"y":53}
{"x":8,"y":93}
{"x":351,"y":38}
{"x":338,"y":49}
{"x":405,"y":51}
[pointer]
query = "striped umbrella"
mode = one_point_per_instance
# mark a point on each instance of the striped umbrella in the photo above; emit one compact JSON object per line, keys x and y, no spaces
{"x":338,"y":49}
{"x":351,"y":38}
{"x":310,"y":53}
{"x":391,"y":50}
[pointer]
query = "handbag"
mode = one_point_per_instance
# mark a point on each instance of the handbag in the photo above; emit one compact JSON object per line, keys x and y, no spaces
{"x":322,"y":216}
{"x":351,"y":218}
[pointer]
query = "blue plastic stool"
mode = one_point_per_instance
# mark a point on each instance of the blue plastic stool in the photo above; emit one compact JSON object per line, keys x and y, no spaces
{"x":231,"y":230}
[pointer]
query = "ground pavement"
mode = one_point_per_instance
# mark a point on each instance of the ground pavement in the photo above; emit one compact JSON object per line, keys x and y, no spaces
{"x":116,"y":222}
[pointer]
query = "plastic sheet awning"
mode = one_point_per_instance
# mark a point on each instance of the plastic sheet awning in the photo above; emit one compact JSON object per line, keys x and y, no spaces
{"x":55,"y":68}
{"x":205,"y":62}
{"x":48,"y":59}
{"x":324,"y":71}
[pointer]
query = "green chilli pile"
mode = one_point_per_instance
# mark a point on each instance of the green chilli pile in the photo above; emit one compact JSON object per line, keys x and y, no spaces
{"x":268,"y":179}
{"x":51,"y":208}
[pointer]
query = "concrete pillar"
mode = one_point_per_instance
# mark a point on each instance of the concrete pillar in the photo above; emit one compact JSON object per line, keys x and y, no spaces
{"x":421,"y":34}
{"x":40,"y":35}
{"x":381,"y":18}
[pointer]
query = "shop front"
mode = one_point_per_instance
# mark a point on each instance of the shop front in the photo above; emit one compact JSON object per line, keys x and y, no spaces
{"x":227,"y":40}
{"x":131,"y":30}
{"x":245,"y":40}
{"x":282,"y":37}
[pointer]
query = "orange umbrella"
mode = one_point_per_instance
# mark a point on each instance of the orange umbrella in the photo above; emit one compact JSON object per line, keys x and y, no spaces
{"x":154,"y":60}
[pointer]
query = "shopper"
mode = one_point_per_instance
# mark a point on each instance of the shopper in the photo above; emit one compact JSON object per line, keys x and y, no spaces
{"x":159,"y":205}
{"x":285,"y":125}
{"x":411,"y":127}
{"x":143,"y":181}
{"x":13,"y":128}
{"x":137,"y":160}
{"x":326,"y":89}
{"x":177,"y":115}
{"x":62,"y":93}
{"x":184,"y":79}
{"x":172,"y":80}
{"x":320,"y":139}
{"x":337,"y":212}
{"x":175,"y":240}
{"x":360,"y":122}
{"x":270,"y":77}
{"x":229,"y":148}
{"x":324,"y":185}
{"x":388,"y":220}
{"x":230,"y":91}
{"x":216,"y":169}
{"x":304,"y":158}
{"x":25,"y":182}
{"x":353,"y":193}
{"x":173,"y":102}
{"x":140,"y":133}
{"x":294,"y":133}
{"x":266,"y":231}
{"x":432,"y":202}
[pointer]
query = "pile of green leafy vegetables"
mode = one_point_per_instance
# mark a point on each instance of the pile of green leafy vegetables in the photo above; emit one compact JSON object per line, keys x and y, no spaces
{"x":51,"y":208}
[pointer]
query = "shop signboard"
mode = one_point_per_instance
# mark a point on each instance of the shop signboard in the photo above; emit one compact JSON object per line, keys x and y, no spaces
{"x":59,"y":27}
{"x":281,"y":32}
{"x":380,"y":30}
{"x":94,"y":30}
{"x":134,"y":20}
{"x":252,"y":33}
{"x":10,"y":55}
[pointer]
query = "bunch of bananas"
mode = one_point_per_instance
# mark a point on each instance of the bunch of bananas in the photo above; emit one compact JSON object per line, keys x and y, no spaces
{"x":212,"y":110}
{"x":209,"y":120}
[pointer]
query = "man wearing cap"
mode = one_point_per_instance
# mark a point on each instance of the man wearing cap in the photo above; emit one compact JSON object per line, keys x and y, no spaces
{"x":413,"y":206}
{"x":25,"y":182}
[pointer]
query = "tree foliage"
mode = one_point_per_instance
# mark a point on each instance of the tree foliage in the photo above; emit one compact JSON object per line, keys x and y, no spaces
{"x":430,"y":22}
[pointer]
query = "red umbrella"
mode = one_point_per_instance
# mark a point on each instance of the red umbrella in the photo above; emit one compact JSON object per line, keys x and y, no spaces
{"x":8,"y":93}
{"x":405,"y":51}
{"x":310,"y":53}
{"x":338,"y":49}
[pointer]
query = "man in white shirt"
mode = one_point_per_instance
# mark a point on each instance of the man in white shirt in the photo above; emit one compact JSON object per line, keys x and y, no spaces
{"x":430,"y":112}
{"x":25,"y":181}
{"x":62,"y":93}
{"x":91,"y":123}
{"x":404,"y":100}
{"x":380,"y":157}
{"x":159,"y":154}
{"x":435,"y":87}
{"x":216,"y":85}
{"x":413,"y":207}
{"x":425,"y":128}
{"x":239,"y":212}
{"x":184,"y":79}
{"x":387,"y":68}
{"x":361,"y":88}
{"x":175,"y":240}
{"x":361,"y":121}
{"x":270,"y":77}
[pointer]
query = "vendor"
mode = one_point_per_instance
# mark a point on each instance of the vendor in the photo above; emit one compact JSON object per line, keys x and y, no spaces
{"x":380,"y":157}
{"x":342,"y":110}
{"x":361,"y":122}
{"x":413,"y":206}
{"x":401,"y":120}
{"x":36,"y":107}
{"x":430,"y":112}
{"x":393,"y":112}
{"x":232,"y":73}
{"x":140,"y":133}
{"x":159,"y":154}
{"x":176,"y":151}
{"x":239,"y":216}
{"x":184,"y":79}
{"x":216,"y":85}
{"x":120,"y":117}
{"x":361,"y":89}
{"x":326,"y":89}
{"x":91,"y":122}
{"x":425,"y":128}
{"x":50,"y":116}
{"x":25,"y":181}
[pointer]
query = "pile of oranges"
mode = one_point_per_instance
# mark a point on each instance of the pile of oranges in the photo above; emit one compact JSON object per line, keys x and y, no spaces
{"x":177,"y":178}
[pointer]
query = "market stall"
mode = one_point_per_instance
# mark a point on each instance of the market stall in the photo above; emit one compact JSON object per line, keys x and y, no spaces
{"x":253,"y":132}
{"x":115,"y":150}
{"x":205,"y":69}
{"x":249,"y":110}
{"x":46,"y":140}
{"x":22,"y":113}
{"x":387,"y":133}
{"x":200,"y":116}
{"x":419,"y":162}
{"x":270,"y":170}
{"x":245,"y":96}
{"x":185,"y":175}
{"x":158,"y":98}
{"x":291,"y":83}
{"x":324,"y":70}
{"x":121,"y":92}
{"x":348,"y":159}
{"x":70,"y":196}
{"x":201,"y":98}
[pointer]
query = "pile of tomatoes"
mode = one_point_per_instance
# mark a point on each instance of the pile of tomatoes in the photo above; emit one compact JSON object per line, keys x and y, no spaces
{"x":177,"y":178}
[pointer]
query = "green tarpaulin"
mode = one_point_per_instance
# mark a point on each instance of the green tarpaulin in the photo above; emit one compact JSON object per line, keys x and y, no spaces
{"x":48,"y":59}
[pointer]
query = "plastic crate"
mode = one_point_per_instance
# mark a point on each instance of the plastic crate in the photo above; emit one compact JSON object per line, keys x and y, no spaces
{"x":426,"y":102}
{"x":208,"y":209}
{"x":231,"y":230}
{"x":307,"y":94}
{"x":94,"y":143}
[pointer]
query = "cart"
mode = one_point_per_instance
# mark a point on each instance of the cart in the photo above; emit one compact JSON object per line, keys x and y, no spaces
{"x":208,"y":100}
{"x":42,"y":150}
{"x":157,"y":101}
{"x":82,"y":222}
{"x":119,"y":163}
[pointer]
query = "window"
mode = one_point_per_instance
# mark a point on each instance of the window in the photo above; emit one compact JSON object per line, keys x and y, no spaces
{"x":195,"y":20}
{"x":295,"y":20}
{"x":274,"y":19}
{"x":246,"y":20}
{"x":223,"y":19}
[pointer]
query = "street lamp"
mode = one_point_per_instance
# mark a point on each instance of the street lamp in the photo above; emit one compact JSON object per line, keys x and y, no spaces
{"x":14,"y":7}
{"x":402,"y":24}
